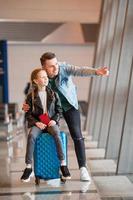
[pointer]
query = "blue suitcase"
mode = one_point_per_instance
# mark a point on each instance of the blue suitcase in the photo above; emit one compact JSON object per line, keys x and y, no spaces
{"x":46,"y":162}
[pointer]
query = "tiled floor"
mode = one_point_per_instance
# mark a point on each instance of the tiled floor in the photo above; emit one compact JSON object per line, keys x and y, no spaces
{"x":12,"y":163}
{"x":104,"y":184}
{"x":114,"y":186}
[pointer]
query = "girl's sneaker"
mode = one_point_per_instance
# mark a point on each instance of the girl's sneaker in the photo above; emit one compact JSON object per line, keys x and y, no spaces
{"x":27,"y":174}
{"x":65,"y":172}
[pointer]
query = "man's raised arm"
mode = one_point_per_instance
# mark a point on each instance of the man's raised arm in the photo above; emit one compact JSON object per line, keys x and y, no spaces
{"x":86,"y":71}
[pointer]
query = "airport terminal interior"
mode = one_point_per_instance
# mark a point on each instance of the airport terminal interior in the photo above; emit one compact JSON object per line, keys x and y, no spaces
{"x":93,"y":33}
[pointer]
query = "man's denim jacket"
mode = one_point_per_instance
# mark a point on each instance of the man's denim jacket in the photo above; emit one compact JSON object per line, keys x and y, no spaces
{"x":64,"y":81}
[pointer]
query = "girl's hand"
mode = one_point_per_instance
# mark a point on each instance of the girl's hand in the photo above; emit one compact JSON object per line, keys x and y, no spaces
{"x":41,"y":125}
{"x":52,"y":123}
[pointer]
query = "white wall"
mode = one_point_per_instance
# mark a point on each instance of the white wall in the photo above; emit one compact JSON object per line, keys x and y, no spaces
{"x":23,"y":58}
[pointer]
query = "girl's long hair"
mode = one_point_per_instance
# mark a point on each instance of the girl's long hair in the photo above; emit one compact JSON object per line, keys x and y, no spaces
{"x":34,"y":87}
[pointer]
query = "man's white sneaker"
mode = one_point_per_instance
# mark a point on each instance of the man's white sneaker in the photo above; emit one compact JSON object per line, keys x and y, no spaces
{"x":84,"y":175}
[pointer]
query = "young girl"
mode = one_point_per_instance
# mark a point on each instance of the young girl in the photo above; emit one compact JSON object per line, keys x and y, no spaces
{"x":42,"y":100}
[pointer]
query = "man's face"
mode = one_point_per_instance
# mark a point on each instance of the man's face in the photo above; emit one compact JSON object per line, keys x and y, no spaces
{"x":51,"y":67}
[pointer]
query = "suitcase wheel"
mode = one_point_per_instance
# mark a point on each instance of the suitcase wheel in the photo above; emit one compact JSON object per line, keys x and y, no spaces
{"x":37,"y":180}
{"x":62,"y":179}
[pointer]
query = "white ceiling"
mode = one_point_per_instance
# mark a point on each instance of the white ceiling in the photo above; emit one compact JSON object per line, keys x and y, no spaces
{"x":84,"y":11}
{"x":33,"y":20}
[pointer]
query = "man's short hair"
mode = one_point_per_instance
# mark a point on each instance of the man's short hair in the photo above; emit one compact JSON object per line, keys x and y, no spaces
{"x":47,"y":56}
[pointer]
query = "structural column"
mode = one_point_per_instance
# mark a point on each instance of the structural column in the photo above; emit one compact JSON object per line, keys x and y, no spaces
{"x":121,"y":86}
{"x":115,"y":49}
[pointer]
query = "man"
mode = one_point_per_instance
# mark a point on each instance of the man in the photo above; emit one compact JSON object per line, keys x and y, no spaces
{"x":60,"y":75}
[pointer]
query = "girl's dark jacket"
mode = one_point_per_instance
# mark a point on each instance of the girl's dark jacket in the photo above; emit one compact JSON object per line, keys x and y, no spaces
{"x":53,"y":107}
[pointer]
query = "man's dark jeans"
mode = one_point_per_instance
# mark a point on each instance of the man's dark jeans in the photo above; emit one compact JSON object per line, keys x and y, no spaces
{"x":72,"y":118}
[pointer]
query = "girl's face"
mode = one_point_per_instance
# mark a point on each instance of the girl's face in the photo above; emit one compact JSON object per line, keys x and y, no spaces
{"x":42,"y":79}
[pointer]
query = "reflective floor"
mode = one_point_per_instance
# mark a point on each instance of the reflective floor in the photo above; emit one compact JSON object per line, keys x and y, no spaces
{"x":12,"y":155}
